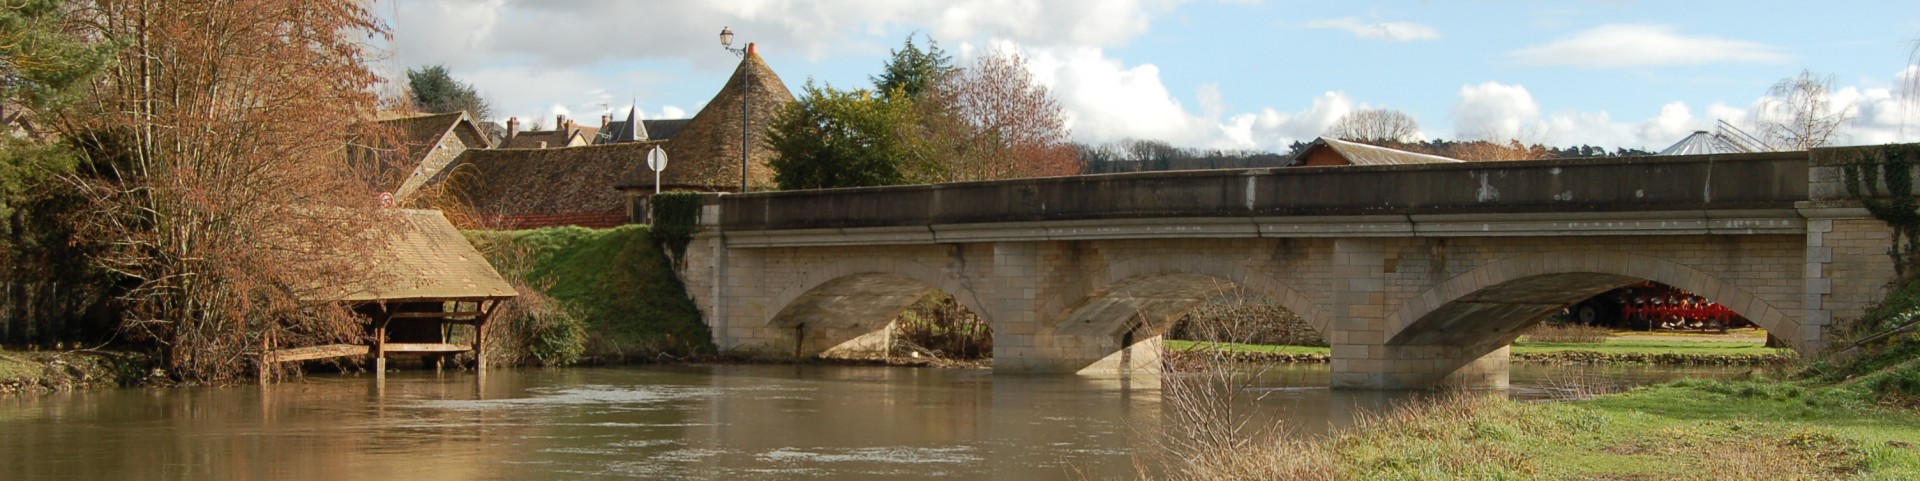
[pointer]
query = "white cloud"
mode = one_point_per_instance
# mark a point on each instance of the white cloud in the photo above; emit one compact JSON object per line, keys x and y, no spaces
{"x":1107,"y":100}
{"x":1271,"y":129}
{"x":1394,"y":31}
{"x":1499,"y":111}
{"x":460,"y":33}
{"x":1621,"y":46}
{"x":1494,"y":110}
{"x":527,"y":55}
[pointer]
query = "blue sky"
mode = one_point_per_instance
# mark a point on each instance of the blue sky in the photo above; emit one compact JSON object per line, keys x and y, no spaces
{"x":1228,"y":74}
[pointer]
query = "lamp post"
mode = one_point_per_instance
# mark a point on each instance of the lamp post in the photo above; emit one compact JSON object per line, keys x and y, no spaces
{"x":746,"y":101}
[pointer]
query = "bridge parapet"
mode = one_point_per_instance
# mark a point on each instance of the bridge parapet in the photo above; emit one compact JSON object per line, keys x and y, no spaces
{"x":1637,"y":184}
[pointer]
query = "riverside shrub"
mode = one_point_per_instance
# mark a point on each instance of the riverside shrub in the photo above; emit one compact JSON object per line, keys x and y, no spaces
{"x":617,"y":281}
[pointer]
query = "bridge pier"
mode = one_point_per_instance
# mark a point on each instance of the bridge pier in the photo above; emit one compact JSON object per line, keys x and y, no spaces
{"x":1390,"y":367}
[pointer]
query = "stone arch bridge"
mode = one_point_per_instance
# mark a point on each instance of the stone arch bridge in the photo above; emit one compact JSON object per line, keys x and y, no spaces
{"x":1420,"y":276}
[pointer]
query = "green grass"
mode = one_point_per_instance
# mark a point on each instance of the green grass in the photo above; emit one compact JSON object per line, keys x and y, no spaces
{"x":59,"y":370}
{"x":616,"y":279}
{"x":12,"y":367}
{"x":1691,"y":430}
{"x":1620,"y":346}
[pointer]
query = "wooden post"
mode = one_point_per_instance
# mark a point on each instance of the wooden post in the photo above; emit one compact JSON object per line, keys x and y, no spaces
{"x":266,"y":356}
{"x":480,"y":336}
{"x":380,"y":318}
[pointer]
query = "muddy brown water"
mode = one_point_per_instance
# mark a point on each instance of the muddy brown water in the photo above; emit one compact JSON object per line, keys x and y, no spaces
{"x":661,"y":422}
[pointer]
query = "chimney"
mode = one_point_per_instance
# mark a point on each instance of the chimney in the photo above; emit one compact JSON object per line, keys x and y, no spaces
{"x":513,"y":127}
{"x":606,"y":118}
{"x":752,"y":49}
{"x":559,"y":122}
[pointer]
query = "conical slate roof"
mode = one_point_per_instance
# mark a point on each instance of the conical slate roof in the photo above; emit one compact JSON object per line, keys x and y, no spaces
{"x":630,"y":130}
{"x":707,"y":151}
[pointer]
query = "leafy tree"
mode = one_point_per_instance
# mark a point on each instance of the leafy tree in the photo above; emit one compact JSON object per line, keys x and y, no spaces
{"x":911,"y":70}
{"x":46,"y":283}
{"x":435,"y":91}
{"x":41,"y":69}
{"x":837,"y":138}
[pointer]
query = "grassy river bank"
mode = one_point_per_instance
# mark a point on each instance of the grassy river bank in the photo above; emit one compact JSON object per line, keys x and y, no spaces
{"x":1626,"y":350}
{"x":1854,"y":416}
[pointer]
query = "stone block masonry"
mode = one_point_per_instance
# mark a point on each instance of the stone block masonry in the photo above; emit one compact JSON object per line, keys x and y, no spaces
{"x":1412,"y":290}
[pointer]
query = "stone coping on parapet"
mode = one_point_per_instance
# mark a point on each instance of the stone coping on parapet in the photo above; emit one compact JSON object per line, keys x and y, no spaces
{"x":1681,"y":184}
{"x":1703,"y":222}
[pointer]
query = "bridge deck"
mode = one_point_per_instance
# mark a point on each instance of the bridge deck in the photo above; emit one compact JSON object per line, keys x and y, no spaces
{"x":1635,"y":184}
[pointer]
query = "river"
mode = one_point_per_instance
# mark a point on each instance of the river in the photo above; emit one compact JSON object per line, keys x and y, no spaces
{"x":722,"y":422}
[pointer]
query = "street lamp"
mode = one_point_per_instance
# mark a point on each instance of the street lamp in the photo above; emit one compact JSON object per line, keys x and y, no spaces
{"x":746,"y":100}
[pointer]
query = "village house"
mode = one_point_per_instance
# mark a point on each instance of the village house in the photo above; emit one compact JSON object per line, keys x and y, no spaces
{"x":415,"y":151}
{"x":579,"y":175}
{"x":565,"y":133}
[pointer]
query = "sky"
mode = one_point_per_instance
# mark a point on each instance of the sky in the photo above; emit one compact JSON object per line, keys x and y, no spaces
{"x":1228,"y":74}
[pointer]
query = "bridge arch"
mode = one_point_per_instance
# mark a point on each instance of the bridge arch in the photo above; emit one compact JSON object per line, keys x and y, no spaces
{"x":842,"y":302}
{"x":1496,"y":301}
{"x":1138,"y":300}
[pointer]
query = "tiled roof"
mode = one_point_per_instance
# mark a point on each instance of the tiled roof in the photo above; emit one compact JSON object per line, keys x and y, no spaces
{"x":413,"y":139}
{"x":568,"y":180}
{"x":426,"y":258}
{"x":554,"y":139}
{"x":630,"y":130}
{"x":706,"y":152}
{"x":664,"y":129}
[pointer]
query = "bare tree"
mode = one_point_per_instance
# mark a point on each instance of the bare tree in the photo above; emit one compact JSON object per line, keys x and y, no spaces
{"x":999,"y":123}
{"x":1798,"y":113}
{"x":217,"y":172}
{"x":1374,"y":126}
{"x":1488,"y":150}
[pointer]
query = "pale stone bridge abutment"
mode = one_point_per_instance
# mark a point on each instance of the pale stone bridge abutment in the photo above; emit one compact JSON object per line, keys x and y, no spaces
{"x":1419,"y":276}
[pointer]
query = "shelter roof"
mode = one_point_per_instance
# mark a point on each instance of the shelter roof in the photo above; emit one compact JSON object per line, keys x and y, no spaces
{"x":426,"y":258}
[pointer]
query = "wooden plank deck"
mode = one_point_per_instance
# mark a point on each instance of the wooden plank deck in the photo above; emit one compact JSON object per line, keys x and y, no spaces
{"x":426,"y":347}
{"x":317,"y":352}
{"x":344,"y":350}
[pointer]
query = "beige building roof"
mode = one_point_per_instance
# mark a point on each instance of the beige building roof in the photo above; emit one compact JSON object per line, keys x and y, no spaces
{"x":427,"y":259}
{"x":1325,"y":151}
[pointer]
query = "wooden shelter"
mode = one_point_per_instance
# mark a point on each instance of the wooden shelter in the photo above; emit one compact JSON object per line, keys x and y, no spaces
{"x":435,"y":279}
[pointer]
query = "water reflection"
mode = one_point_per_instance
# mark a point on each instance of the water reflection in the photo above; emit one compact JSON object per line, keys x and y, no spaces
{"x":681,"y":422}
